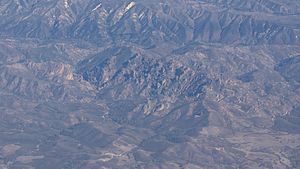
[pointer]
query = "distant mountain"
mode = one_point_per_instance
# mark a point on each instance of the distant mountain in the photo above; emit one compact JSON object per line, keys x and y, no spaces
{"x":149,"y":84}
{"x":148,"y":24}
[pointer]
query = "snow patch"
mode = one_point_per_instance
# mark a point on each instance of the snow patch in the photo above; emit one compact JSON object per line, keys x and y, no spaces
{"x":97,"y":7}
{"x":129,"y":6}
{"x":66,"y":3}
{"x":125,"y":10}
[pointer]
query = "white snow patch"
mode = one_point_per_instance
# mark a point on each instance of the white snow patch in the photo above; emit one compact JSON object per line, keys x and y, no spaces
{"x":126,"y":9}
{"x":66,"y":4}
{"x":97,"y":7}
{"x":129,"y":6}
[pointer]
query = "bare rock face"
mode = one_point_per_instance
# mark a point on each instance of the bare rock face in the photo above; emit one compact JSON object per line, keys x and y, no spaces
{"x":149,"y":84}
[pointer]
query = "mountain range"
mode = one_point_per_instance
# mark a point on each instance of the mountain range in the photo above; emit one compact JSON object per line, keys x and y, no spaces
{"x":157,"y":84}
